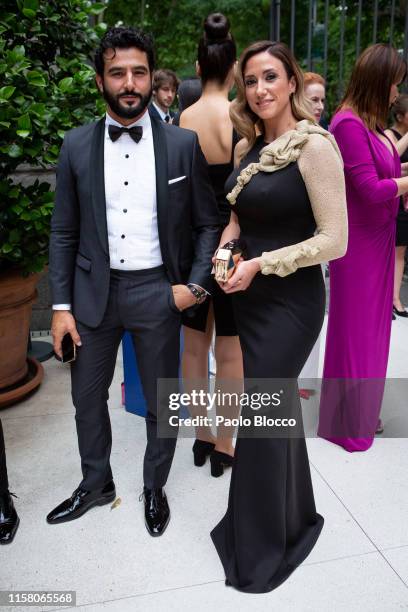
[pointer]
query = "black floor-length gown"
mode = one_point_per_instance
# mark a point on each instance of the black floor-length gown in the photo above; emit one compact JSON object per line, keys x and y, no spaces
{"x":271,"y":523}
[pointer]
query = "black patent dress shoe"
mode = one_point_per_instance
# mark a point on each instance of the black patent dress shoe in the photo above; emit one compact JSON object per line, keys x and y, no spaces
{"x":9,"y":520}
{"x":157,"y":511}
{"x":400,"y":313}
{"x":80,"y":502}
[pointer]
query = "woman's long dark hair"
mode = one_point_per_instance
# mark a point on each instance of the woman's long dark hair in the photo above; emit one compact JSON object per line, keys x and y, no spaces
{"x":368,"y":93}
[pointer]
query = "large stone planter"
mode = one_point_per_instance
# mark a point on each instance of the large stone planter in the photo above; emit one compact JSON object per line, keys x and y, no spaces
{"x":17,"y":295}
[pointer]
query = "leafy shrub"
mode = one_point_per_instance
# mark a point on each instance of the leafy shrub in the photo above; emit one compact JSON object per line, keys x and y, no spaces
{"x":47,"y":88}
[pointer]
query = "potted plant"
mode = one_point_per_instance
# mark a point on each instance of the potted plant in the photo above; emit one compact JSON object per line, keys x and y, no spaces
{"x":47,"y":88}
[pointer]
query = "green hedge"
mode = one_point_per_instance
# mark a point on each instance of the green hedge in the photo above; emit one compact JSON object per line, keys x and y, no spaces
{"x":47,"y":88}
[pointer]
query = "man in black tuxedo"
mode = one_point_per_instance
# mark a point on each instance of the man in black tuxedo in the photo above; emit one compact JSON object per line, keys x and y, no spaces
{"x":165,"y":87}
{"x":133,"y":231}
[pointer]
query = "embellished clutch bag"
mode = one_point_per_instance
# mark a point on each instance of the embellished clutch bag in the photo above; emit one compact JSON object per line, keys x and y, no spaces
{"x":227,"y":258}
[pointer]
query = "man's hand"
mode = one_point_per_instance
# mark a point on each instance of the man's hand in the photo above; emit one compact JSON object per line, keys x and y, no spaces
{"x":183,"y":298}
{"x":63,"y":323}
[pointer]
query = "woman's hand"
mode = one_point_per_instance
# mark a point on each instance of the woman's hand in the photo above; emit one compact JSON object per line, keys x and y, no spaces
{"x":243,"y":275}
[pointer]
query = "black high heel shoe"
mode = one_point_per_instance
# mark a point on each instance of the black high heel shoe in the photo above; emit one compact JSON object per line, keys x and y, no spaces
{"x":218,"y":462}
{"x":201,"y":450}
{"x":400,"y":313}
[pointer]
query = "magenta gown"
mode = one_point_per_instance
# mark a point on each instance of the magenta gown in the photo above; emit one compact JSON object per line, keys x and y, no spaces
{"x":361,"y":290}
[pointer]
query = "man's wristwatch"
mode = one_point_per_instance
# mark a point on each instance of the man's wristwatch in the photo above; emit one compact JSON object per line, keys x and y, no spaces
{"x":199,"y":293}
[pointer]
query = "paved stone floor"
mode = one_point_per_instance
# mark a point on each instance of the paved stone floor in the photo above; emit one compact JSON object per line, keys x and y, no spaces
{"x":359,"y":563}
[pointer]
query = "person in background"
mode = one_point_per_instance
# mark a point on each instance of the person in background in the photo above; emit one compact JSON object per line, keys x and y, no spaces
{"x":362,"y":282}
{"x":315,"y":91}
{"x":9,"y":520}
{"x":398,"y":134}
{"x":209,"y":118}
{"x":188,"y":93}
{"x":165,"y":85}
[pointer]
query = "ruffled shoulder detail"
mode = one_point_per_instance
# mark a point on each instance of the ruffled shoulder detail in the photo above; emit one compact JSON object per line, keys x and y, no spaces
{"x":280,"y":153}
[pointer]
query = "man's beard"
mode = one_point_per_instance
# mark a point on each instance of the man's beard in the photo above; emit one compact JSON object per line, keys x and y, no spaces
{"x":126,"y":112}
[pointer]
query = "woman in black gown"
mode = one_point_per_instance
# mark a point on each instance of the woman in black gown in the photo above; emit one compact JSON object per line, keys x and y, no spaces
{"x":290,"y":183}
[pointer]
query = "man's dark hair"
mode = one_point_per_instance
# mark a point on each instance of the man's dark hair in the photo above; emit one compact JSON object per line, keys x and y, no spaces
{"x":124,"y":37}
{"x":189,"y":92}
{"x":165,"y":77}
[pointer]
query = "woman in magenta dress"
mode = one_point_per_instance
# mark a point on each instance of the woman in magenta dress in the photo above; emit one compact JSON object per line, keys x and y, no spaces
{"x":361,"y":282}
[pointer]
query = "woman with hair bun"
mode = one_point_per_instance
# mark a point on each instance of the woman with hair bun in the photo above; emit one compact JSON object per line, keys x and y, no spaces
{"x":209,"y":118}
{"x":288,"y":203}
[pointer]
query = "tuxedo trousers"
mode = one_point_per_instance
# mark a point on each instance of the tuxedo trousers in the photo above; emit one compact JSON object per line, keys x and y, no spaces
{"x":140,"y":302}
{"x":3,"y":465}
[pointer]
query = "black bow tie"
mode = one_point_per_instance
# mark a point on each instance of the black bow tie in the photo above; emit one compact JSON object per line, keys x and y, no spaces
{"x":116,"y":132}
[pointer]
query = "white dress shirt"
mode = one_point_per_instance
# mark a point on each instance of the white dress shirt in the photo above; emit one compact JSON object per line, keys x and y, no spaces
{"x":131,"y":206}
{"x":130,"y":192}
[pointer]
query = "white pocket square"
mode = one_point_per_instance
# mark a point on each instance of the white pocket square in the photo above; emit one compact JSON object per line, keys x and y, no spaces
{"x":176,"y":180}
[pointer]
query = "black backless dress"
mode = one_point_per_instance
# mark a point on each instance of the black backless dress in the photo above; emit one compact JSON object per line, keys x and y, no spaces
{"x":271,"y":524}
{"x":222,"y":303}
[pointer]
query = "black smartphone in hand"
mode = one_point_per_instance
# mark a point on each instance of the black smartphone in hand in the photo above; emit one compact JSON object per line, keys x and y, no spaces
{"x":68,"y":348}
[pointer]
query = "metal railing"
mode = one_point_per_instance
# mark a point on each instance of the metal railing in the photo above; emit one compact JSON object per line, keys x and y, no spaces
{"x":337,"y":30}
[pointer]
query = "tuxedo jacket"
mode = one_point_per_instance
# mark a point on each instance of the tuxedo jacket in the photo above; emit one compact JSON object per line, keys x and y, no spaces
{"x":188,"y":220}
{"x":154,"y":114}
